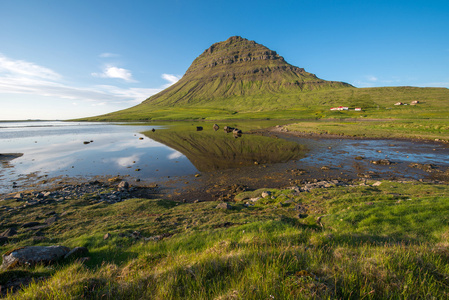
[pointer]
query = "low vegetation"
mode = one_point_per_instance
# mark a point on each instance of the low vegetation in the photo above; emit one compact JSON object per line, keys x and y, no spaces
{"x":376,"y":103}
{"x":359,"y":242}
{"x":436,"y":129}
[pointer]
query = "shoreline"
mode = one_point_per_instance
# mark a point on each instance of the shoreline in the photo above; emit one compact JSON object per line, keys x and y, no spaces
{"x":213,"y":185}
{"x":282,"y":130}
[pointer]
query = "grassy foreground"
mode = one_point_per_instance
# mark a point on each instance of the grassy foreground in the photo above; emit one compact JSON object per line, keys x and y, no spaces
{"x":358,"y":242}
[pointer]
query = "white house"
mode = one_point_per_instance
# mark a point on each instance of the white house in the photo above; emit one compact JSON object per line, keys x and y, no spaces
{"x":340,"y":108}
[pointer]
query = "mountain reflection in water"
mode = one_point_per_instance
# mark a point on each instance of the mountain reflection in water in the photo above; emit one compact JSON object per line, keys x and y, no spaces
{"x":209,"y":150}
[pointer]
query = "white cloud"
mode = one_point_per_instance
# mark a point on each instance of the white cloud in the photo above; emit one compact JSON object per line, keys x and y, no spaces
{"x":108,"y":55}
{"x":28,"y":81}
{"x":172,"y":79}
{"x":127,"y":161}
{"x":175,"y":155}
{"x":10,"y":67}
{"x":373,"y":81}
{"x":115,"y":72}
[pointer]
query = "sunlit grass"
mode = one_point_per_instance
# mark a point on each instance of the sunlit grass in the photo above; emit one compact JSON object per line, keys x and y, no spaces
{"x":370,"y":242}
{"x":426,"y":129}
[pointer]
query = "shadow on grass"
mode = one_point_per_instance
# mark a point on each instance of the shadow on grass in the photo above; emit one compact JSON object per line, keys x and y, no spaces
{"x":112,"y":255}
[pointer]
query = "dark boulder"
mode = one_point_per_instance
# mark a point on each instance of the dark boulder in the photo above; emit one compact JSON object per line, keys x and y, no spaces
{"x":228,"y":129}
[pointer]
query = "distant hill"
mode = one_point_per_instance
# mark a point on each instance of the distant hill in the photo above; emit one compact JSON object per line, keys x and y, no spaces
{"x":239,"y":78}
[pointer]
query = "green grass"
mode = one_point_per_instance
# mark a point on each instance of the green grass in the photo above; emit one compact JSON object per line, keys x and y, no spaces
{"x":377,"y":103}
{"x":371,"y":242}
{"x":415,"y":129}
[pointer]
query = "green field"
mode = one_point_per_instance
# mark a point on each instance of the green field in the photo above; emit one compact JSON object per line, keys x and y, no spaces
{"x":355,"y":242}
{"x":377,"y":103}
{"x":437,"y":129}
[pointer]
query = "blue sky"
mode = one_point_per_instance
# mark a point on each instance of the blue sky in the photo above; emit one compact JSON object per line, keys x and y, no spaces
{"x":67,"y":59}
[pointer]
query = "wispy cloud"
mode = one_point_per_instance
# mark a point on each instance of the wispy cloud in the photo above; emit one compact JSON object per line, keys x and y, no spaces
{"x":175,"y":155}
{"x":115,"y":72}
{"x":22,"y":77}
{"x":375,"y":81}
{"x":108,"y":55}
{"x":172,"y":79}
{"x":10,"y":67}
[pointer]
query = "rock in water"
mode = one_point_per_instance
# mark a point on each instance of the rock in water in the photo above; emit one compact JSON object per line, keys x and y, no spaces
{"x":32,"y":255}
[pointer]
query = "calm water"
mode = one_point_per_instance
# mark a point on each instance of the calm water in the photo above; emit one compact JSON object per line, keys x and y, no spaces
{"x":58,"y":149}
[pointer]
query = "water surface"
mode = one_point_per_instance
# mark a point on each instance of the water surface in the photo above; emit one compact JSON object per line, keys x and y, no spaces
{"x":70,"y":149}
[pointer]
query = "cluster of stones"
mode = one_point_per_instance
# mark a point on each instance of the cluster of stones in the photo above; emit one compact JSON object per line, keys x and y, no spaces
{"x":98,"y":191}
{"x":307,"y":187}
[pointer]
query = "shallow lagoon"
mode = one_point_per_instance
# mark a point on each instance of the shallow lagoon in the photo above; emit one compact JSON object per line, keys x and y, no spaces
{"x":57,"y":149}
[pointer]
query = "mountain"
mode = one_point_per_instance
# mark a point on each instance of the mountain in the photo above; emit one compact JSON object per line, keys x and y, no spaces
{"x":232,"y":75}
{"x":241,"y":79}
{"x":238,"y":67}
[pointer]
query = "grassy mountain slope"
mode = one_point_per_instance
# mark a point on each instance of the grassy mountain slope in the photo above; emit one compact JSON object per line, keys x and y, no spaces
{"x":376,"y":103}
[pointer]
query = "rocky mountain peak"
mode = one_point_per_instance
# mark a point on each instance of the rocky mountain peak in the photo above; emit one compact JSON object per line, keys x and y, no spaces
{"x":234,"y":50}
{"x":238,"y":67}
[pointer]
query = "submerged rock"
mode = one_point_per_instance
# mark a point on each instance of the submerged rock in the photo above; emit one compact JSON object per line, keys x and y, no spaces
{"x":425,"y":167}
{"x":384,"y":162}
